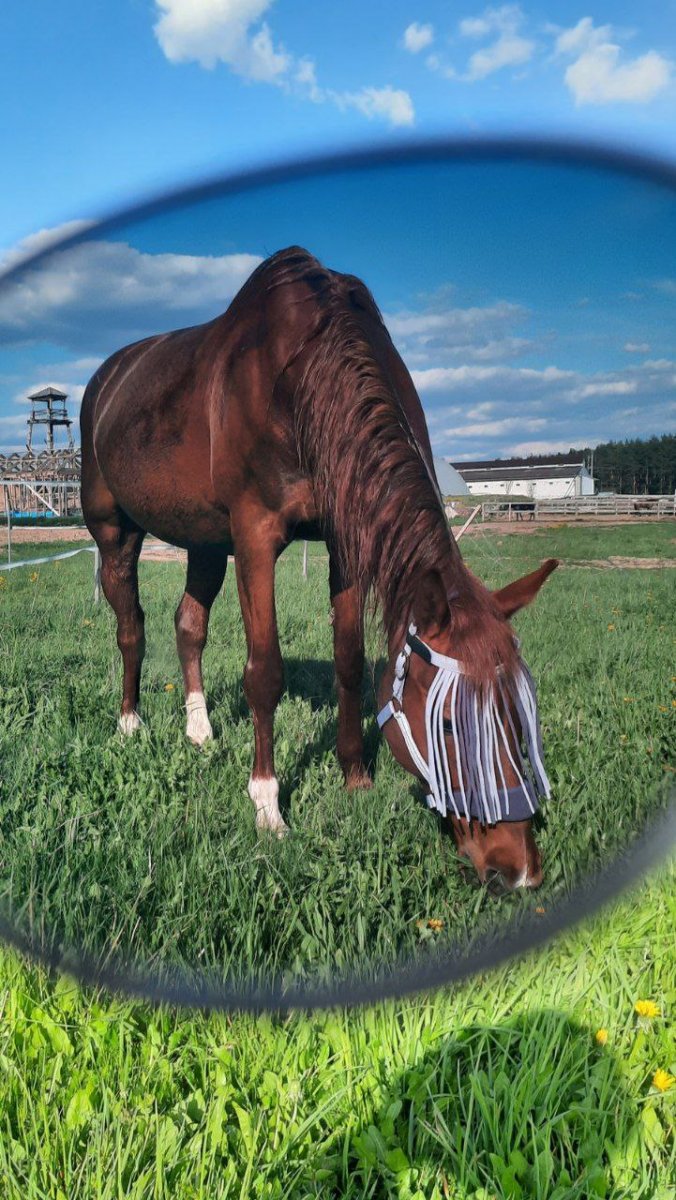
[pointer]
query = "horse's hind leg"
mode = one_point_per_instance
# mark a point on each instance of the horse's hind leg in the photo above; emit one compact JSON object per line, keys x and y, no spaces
{"x":120,"y":544}
{"x":206,"y":572}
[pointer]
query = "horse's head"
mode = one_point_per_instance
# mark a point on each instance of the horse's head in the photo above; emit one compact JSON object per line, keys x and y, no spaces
{"x":457,"y":707}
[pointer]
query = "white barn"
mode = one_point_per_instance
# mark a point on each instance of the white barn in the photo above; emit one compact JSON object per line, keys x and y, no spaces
{"x":510,"y":477}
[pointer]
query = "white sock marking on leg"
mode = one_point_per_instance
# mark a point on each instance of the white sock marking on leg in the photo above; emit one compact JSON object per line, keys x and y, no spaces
{"x":129,"y":723}
{"x":265,"y":794}
{"x":198,"y":727}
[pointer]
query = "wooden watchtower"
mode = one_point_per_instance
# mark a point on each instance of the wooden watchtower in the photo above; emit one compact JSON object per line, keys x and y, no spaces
{"x":49,"y":409}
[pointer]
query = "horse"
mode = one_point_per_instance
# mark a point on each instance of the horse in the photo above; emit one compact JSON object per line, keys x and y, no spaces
{"x":292,"y":416}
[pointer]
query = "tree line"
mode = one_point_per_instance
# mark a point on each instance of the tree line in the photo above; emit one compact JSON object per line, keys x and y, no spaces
{"x":635,"y":466}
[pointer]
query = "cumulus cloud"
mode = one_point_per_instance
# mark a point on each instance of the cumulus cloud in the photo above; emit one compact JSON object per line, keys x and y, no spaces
{"x":507,"y":47}
{"x":498,"y":407}
{"x":598,"y":73}
{"x":637,"y":347}
{"x":96,"y":295}
{"x":417,"y":37}
{"x":234,"y":32}
{"x":391,"y":103}
{"x":36,"y":243}
{"x":474,"y":333}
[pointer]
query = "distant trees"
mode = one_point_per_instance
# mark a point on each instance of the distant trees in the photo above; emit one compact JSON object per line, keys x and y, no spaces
{"x":631,"y":467}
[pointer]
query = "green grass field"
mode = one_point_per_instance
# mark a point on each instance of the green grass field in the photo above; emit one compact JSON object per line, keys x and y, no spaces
{"x":149,"y":845}
{"x":498,"y":1090}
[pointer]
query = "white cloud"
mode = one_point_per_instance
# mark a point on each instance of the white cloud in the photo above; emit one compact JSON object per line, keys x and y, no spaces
{"x":523,"y":449}
{"x":43,"y":239}
{"x":233,"y":32}
{"x":614,"y":387}
{"x":637,"y":347}
{"x":599,"y":76}
{"x":99,"y":294}
{"x":508,"y":49}
{"x":498,"y":428}
{"x":228,"y":31}
{"x":436,"y":379}
{"x":391,"y":103}
{"x":417,"y":37}
{"x":473,"y":333}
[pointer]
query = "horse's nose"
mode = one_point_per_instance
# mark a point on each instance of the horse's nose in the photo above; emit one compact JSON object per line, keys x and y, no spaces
{"x":499,"y":883}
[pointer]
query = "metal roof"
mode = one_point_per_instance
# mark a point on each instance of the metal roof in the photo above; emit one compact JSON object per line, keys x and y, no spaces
{"x":557,"y":460}
{"x":492,"y":474}
{"x":47,"y":392}
{"x":451,"y":482}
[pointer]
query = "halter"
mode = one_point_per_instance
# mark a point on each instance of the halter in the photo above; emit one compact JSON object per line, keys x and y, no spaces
{"x":478,"y":733}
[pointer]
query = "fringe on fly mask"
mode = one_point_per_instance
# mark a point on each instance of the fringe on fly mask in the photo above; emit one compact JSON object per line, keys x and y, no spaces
{"x":477,"y":729}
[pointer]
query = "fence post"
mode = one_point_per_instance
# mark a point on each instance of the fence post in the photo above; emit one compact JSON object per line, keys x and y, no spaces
{"x":8,"y":510}
{"x":97,"y":575}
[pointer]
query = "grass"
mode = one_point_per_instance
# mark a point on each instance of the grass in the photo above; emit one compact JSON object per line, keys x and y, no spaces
{"x":149,"y":845}
{"x":496,"y":1091}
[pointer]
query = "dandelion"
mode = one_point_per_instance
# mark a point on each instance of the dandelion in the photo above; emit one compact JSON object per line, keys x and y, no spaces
{"x":540,"y":910}
{"x":87,"y":621}
{"x":629,"y":699}
{"x":3,"y":581}
{"x":647,"y":1008}
{"x":624,"y":739}
{"x":168,"y":687}
{"x":611,"y":628}
{"x":663,"y":708}
{"x":662,"y":1080}
{"x":601,"y":1036}
{"x":435,"y":924}
{"x":34,"y":576}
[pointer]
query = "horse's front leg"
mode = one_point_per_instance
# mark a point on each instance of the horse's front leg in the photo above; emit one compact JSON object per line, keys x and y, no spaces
{"x":348,"y":651}
{"x":264,"y":673}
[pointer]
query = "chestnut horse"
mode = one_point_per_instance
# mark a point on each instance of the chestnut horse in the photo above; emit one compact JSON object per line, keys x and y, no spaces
{"x":293,"y":416}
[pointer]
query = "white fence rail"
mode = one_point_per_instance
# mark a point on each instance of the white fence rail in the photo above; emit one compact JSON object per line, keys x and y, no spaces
{"x":522,"y":508}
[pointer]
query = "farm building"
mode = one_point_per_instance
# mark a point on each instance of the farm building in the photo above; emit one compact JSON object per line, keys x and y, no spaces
{"x":451,"y":482}
{"x":514,"y":477}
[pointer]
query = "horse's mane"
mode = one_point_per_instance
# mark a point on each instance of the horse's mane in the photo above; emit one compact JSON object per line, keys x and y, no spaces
{"x":374,"y":488}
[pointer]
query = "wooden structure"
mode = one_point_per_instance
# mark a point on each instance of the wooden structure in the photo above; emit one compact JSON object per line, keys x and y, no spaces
{"x":48,"y":408}
{"x":580,"y":507}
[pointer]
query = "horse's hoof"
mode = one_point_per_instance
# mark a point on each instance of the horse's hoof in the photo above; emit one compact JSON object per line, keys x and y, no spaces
{"x":358,"y":780}
{"x":198,"y":729}
{"x":271,"y":825}
{"x":129,"y":723}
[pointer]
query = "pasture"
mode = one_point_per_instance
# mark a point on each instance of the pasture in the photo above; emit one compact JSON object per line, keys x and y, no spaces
{"x":149,"y":845}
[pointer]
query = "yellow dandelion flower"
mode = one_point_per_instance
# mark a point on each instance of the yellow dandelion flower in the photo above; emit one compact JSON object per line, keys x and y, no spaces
{"x":435,"y":924}
{"x":601,"y":1036}
{"x":33,"y":577}
{"x":87,"y":621}
{"x":3,"y":581}
{"x":611,"y":628}
{"x":646,"y":1008}
{"x":662,"y":1080}
{"x":540,"y":910}
{"x":663,"y":708}
{"x":168,"y":687}
{"x":629,"y":699}
{"x":624,"y":739}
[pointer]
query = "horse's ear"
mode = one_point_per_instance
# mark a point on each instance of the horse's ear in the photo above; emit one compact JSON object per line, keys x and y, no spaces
{"x":431,"y":604}
{"x":518,"y":594}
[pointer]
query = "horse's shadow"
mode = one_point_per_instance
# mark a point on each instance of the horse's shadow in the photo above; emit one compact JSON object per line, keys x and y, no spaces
{"x":529,"y":1107}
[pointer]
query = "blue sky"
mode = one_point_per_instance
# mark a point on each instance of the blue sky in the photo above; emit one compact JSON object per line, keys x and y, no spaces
{"x":103,"y":103}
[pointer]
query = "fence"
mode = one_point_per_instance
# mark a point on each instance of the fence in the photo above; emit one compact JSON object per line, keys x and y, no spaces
{"x":519,"y":508}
